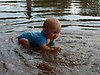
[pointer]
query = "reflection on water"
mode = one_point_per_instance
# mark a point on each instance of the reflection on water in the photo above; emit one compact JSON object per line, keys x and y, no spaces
{"x":90,"y":7}
{"x":69,"y":12}
{"x":29,"y":10}
{"x":73,"y":14}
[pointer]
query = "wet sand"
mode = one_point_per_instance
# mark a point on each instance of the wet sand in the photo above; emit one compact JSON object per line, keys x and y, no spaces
{"x":80,"y":55}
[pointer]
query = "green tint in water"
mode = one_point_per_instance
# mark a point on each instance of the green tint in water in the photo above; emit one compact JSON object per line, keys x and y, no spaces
{"x":69,"y":12}
{"x":80,"y":49}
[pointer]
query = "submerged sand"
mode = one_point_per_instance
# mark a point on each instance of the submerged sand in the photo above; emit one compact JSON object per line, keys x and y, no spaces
{"x":80,"y":55}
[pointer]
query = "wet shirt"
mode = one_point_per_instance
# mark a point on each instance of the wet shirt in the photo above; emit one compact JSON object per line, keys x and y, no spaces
{"x":35,"y":38}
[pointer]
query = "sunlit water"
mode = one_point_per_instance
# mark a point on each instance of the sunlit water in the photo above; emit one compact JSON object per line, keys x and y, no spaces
{"x":73,"y":15}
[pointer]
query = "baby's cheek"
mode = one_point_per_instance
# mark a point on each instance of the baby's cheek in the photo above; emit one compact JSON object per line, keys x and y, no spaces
{"x":54,"y":37}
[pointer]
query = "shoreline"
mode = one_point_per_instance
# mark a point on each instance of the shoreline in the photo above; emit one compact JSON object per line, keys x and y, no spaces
{"x":80,"y":55}
{"x":81,"y":51}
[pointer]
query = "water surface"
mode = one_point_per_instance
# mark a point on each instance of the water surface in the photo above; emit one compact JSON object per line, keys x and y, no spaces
{"x":75,"y":14}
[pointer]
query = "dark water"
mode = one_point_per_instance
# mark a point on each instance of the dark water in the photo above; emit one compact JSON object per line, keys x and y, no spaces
{"x":73,"y":14}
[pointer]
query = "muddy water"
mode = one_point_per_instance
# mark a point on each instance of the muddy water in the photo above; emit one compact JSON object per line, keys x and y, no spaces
{"x":81,"y":57}
{"x":73,"y":14}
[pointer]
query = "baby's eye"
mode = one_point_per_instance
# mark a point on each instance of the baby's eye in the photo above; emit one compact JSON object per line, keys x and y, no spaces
{"x":56,"y":32}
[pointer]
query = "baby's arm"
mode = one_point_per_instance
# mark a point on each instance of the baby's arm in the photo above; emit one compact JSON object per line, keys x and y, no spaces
{"x":47,"y":48}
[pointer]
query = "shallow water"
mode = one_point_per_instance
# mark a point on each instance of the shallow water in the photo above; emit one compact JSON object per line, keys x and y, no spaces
{"x":73,"y":14}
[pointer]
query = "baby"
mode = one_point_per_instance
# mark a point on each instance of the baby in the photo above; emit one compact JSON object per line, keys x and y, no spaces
{"x":43,"y":40}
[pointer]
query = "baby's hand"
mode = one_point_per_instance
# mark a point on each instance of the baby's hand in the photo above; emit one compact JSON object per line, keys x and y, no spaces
{"x":57,"y":49}
{"x":51,"y":48}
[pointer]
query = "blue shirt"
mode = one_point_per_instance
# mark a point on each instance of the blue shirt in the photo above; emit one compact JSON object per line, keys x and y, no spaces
{"x":35,"y":38}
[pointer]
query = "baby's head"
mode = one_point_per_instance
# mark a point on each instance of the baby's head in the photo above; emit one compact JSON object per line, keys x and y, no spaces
{"x":51,"y":28}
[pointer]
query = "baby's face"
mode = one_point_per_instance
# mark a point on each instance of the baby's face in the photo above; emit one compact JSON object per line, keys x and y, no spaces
{"x":53,"y":32}
{"x":52,"y":28}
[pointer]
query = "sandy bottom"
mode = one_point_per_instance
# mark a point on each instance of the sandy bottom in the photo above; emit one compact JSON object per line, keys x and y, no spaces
{"x":80,"y":55}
